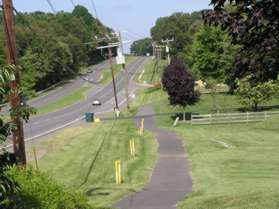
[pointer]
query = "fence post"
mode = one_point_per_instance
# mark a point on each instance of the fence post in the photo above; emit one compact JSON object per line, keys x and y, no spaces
{"x":184,"y":116}
{"x":191,"y":119}
{"x":176,"y":121}
{"x":247,"y":117}
{"x":265,"y":115}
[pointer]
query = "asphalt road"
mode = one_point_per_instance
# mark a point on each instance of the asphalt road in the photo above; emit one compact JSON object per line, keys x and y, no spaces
{"x":41,"y":125}
{"x":69,"y":87}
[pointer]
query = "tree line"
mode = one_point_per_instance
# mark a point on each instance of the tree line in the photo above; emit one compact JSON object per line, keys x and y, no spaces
{"x":235,"y":43}
{"x":53,"y":47}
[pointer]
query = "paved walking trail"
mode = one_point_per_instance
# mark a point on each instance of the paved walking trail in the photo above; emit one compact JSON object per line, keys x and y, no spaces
{"x":171,"y":180}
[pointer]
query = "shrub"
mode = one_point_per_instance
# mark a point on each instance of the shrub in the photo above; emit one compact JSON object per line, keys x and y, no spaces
{"x":37,"y":190}
{"x":7,"y":185}
{"x":179,"y":84}
{"x":253,"y":95}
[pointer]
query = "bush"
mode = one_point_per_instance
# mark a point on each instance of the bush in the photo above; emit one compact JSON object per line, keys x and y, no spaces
{"x":179,"y":84}
{"x":7,"y":185}
{"x":39,"y":191}
{"x":254,"y":95}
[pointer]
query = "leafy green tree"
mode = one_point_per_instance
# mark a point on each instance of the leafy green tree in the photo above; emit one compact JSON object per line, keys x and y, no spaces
{"x":181,"y":27}
{"x":53,"y":47}
{"x":87,"y":19}
{"x":212,"y":58}
{"x":7,"y":185}
{"x":179,"y":84}
{"x":253,"y":95}
{"x":142,"y":47}
{"x":212,"y":55}
{"x":253,"y":25}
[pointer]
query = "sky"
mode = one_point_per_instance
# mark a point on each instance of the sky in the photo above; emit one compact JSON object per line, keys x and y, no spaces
{"x":133,"y":17}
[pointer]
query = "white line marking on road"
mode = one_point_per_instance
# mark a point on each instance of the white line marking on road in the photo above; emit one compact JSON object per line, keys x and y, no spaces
{"x":67,"y":124}
{"x":132,"y":94}
{"x":140,"y":77}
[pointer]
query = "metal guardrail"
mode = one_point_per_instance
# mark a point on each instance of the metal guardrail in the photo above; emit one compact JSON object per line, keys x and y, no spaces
{"x":223,"y":118}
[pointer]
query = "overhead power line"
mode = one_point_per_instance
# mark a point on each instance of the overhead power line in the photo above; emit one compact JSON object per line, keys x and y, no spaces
{"x":95,"y":9}
{"x":73,"y":3}
{"x":136,"y":35}
{"x":51,"y":6}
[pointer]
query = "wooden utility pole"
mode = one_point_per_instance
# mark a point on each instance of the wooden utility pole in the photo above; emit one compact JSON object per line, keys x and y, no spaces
{"x":11,"y":54}
{"x":168,"y":47}
{"x":126,"y":72}
{"x":113,"y":79}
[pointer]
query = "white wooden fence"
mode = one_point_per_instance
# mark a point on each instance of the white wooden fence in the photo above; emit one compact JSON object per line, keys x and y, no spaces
{"x":223,"y":118}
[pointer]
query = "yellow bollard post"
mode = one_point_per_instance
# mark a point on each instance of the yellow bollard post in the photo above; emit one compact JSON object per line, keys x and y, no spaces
{"x":132,"y":147}
{"x":116,"y":171}
{"x":117,"y":165}
{"x":141,"y":127}
{"x":35,"y":158}
{"x":119,"y":172}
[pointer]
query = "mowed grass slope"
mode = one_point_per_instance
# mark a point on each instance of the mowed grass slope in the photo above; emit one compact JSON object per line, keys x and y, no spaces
{"x":85,"y":160}
{"x":242,"y":177}
{"x":245,"y":176}
{"x":151,"y":74}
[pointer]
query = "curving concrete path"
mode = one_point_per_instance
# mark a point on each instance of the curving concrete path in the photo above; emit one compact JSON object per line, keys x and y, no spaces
{"x":170,"y":181}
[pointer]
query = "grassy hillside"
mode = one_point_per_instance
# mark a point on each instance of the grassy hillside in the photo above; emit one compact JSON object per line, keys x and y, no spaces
{"x":83,"y":158}
{"x":241,"y":177}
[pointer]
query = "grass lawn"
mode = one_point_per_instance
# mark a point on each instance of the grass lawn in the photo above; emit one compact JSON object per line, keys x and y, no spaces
{"x":68,"y":100}
{"x":70,"y":157}
{"x":224,"y":101}
{"x":106,"y":73}
{"x":146,"y":76}
{"x":242,"y":177}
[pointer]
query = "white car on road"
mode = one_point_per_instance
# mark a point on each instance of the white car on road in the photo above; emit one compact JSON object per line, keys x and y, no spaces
{"x":96,"y":102}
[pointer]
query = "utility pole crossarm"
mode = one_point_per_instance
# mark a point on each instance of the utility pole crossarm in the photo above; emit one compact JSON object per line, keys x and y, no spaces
{"x":167,"y":41}
{"x":109,"y":47}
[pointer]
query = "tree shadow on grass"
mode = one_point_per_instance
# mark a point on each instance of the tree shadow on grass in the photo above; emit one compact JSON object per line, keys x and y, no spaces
{"x":152,"y":90}
{"x":100,"y":190}
{"x":24,"y":201}
{"x":260,"y":108}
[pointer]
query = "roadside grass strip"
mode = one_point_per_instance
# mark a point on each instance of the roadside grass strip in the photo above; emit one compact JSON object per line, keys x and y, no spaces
{"x":74,"y":97}
{"x":146,"y":75}
{"x":106,"y":73}
{"x":83,"y":158}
